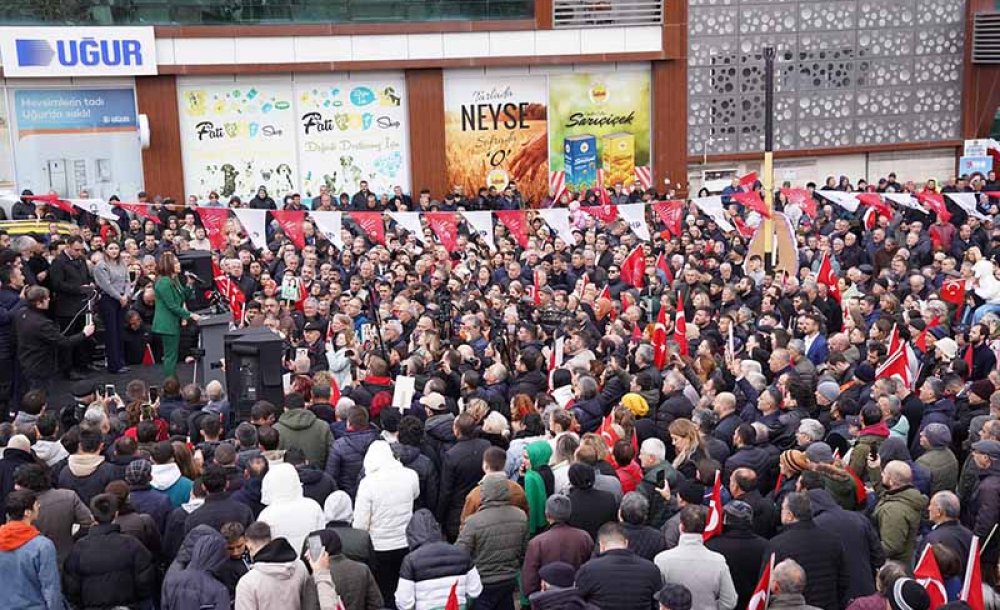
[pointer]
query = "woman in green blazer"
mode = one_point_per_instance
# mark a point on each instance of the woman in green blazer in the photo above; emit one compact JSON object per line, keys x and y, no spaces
{"x":170,"y":312}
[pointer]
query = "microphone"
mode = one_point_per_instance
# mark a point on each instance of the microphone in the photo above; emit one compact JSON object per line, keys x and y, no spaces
{"x":193,"y":276}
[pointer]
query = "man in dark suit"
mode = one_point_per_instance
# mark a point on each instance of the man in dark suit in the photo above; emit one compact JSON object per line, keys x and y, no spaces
{"x":72,"y":286}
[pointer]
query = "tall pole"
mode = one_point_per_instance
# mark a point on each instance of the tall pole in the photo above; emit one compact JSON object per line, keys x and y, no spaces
{"x":770,"y":247}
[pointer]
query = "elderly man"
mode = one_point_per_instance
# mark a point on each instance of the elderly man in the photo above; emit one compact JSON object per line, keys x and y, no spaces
{"x":561,"y":542}
{"x":944,"y":511}
{"x":788,"y":583}
{"x":938,"y":457}
{"x":984,"y":511}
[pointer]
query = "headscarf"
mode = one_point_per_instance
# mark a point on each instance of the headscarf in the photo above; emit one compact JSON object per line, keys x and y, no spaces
{"x":539,"y":454}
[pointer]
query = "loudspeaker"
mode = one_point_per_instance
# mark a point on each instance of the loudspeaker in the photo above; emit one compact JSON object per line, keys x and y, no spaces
{"x":253,"y":369}
{"x":198,"y":262}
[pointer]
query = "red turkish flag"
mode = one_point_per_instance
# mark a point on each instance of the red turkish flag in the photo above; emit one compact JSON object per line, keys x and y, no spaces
{"x":762,"y":592}
{"x":516,"y":223}
{"x":53,"y":200}
{"x":672,"y":215}
{"x":607,"y":431}
{"x":752,"y":200}
{"x":875,"y":202}
{"x":291,"y":222}
{"x":826,"y":277}
{"x":713,"y":526}
{"x":802,"y":198}
{"x":140,"y":209}
{"x":662,"y":265}
{"x":372,"y":224}
{"x":935,"y":203}
{"x":972,"y":584}
{"x":214,"y":220}
{"x":744,"y":231}
{"x":928,"y":574}
{"x":606,"y":212}
{"x":634,"y":268}
{"x":953,"y":291}
{"x":749,"y":180}
{"x":921,"y":340}
{"x":660,"y":339}
{"x":445,"y":226}
{"x":680,"y":331}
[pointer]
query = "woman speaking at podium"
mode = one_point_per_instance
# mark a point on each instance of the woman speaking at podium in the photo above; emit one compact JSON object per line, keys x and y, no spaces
{"x":170,"y":312}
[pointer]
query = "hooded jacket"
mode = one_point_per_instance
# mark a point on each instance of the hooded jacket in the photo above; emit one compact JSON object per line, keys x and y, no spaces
{"x":87,"y":475}
{"x":50,"y":452}
{"x":346,"y":456}
{"x":385,"y":498}
{"x":897,"y":516}
{"x":107,"y":568}
{"x":278,"y":579}
{"x":868,"y":437}
{"x":290,"y":514}
{"x":496,"y":535}
{"x":301,"y":428}
{"x":194,"y":587}
{"x":168,"y":479}
{"x":355,"y":544}
{"x":427,"y":473}
{"x":432,"y":566}
{"x":28,"y":563}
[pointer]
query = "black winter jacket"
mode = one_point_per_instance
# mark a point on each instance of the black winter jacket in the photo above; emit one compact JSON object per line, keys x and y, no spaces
{"x":461,"y":472}
{"x":756,"y":458}
{"x":859,"y":537}
{"x":107,"y":568}
{"x":531,"y":383}
{"x":87,"y":486}
{"x":643,"y":540}
{"x":218,"y":510}
{"x":412,"y":458}
{"x":11,"y":304}
{"x":316,"y":484}
{"x":195,"y":587}
{"x":39,"y":340}
{"x":589,"y":413}
{"x":430,"y":558}
{"x":12,"y":460}
{"x":822,"y":556}
{"x":347,"y":456}
{"x":439,"y":437}
{"x":745,"y":553}
{"x":66,"y":278}
{"x":619,"y":580}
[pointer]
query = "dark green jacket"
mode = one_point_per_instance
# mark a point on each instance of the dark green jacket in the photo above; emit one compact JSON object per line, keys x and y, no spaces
{"x":944,"y":468}
{"x":170,"y":309}
{"x":301,"y":428}
{"x":897,"y":516}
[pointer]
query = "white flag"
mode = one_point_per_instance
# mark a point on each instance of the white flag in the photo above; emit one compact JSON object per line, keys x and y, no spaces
{"x":558,"y":219}
{"x":714,"y":208}
{"x":331,"y":225}
{"x":482,"y":223}
{"x":635,"y":215}
{"x":905,"y":200}
{"x":968,"y":202}
{"x":97,"y":207}
{"x":845,"y":200}
{"x":410,"y":222}
{"x":254,"y":223}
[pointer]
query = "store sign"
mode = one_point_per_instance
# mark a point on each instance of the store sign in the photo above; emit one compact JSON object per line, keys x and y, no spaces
{"x":973,"y":165}
{"x":49,"y":52}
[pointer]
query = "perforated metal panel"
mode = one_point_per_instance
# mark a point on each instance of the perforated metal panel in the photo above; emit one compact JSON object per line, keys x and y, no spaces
{"x":847,"y":72}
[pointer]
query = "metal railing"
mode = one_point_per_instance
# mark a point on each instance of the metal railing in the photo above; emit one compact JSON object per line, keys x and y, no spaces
{"x":589,"y":13}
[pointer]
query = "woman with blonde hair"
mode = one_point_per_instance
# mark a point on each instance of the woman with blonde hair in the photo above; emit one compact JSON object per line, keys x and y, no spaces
{"x":687,"y":447}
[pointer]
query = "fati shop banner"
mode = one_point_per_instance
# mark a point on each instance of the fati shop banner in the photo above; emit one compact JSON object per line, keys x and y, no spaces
{"x":236,"y":137}
{"x":599,"y":121}
{"x":496,"y":132}
{"x":352,"y":130}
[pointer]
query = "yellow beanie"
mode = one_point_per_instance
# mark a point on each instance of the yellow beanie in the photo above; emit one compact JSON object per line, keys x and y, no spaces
{"x":636,"y":404}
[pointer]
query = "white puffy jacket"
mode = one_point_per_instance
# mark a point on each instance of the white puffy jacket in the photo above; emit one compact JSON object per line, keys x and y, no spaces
{"x":384,"y":503}
{"x":290,"y":515}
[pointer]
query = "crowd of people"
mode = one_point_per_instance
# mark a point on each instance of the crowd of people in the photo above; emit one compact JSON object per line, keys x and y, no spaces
{"x":574,"y":434}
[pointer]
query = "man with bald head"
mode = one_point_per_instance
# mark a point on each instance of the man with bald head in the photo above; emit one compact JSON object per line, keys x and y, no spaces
{"x":898,"y":511}
{"x":724,"y":406}
{"x":944,"y":511}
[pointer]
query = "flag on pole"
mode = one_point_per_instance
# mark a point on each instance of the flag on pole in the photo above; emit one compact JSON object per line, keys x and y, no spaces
{"x":827,"y":277}
{"x":680,"y":331}
{"x":953,"y":291}
{"x":762,"y":592}
{"x":147,"y":356}
{"x":291,"y":222}
{"x":660,"y":339}
{"x":713,"y":526}
{"x":972,"y":585}
{"x":664,"y":266}
{"x":672,"y":215}
{"x":801,"y":198}
{"x":752,"y":200}
{"x":748,"y":180}
{"x":928,"y":574}
{"x":633,"y":268}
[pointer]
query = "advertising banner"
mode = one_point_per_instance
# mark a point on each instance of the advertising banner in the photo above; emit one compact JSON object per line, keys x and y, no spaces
{"x":599,"y":121}
{"x":352,"y":130}
{"x":495,"y":133}
{"x":237,"y":137}
{"x":49,"y":52}
{"x":6,"y":156}
{"x":74,"y":140}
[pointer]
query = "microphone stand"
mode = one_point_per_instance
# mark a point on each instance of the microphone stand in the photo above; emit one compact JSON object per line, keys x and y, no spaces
{"x":376,"y":319}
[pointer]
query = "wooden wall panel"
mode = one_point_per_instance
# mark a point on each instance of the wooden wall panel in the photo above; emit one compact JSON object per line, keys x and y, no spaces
{"x":425,"y":95}
{"x":156,"y":97}
{"x":669,"y":93}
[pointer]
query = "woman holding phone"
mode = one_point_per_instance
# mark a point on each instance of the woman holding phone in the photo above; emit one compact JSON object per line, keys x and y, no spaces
{"x":170,"y":312}
{"x":112,"y":279}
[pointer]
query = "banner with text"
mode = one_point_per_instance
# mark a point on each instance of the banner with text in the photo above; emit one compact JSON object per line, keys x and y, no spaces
{"x":237,"y":137}
{"x":495,"y":133}
{"x":352,"y":130}
{"x":599,"y":121}
{"x":75,"y":140}
{"x":6,"y":155}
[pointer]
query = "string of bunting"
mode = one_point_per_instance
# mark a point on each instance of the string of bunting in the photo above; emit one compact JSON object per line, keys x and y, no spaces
{"x":445,"y":225}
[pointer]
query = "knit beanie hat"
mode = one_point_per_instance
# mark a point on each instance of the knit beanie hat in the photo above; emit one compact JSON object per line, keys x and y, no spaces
{"x":908,"y":594}
{"x":982,"y":388}
{"x":794,"y":460}
{"x":820,"y":453}
{"x":829,"y":390}
{"x":692,"y":492}
{"x":938,"y":435}
{"x":636,"y":404}
{"x":138,"y":473}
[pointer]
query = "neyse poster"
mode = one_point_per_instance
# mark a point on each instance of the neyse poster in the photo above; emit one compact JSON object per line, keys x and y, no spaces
{"x":75,"y":140}
{"x":236,"y":137}
{"x":495,"y":132}
{"x":599,"y":121}
{"x":351,"y":130}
